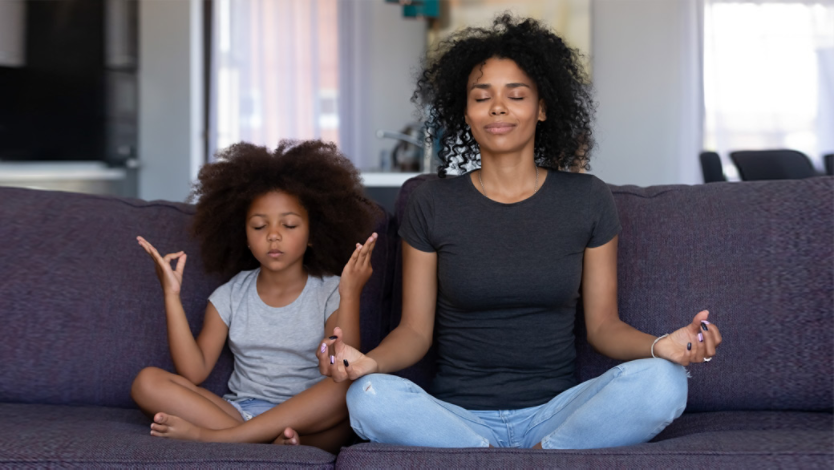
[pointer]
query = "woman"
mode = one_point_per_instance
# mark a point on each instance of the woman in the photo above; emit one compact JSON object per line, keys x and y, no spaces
{"x":493,"y":264}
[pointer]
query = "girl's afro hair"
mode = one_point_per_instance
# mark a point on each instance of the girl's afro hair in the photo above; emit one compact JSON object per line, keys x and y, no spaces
{"x":324,"y":181}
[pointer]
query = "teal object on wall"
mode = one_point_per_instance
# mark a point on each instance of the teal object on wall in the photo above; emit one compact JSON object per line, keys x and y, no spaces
{"x":419,"y":8}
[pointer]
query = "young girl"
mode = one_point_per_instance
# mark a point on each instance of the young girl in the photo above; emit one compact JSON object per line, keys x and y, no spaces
{"x":286,"y":222}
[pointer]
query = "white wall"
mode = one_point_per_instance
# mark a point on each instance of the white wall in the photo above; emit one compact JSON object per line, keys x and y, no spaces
{"x":646,"y":82}
{"x":12,"y":33}
{"x":169,"y":98}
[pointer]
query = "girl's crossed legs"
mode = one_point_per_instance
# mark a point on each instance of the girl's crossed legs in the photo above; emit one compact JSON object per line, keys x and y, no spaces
{"x":627,"y":405}
{"x":183,"y":410}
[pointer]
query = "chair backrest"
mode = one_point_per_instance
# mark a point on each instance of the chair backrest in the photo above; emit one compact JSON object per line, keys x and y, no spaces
{"x":772,"y":164}
{"x":712,"y":168}
{"x":829,"y":163}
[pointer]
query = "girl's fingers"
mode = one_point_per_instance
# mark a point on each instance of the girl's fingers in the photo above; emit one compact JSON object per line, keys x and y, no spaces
{"x":181,"y":264}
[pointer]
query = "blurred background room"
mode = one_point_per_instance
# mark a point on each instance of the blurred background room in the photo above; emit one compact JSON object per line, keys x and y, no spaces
{"x":131,"y":97}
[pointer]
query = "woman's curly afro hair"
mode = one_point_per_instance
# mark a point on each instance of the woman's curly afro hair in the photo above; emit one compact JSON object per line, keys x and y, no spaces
{"x":323,"y":180}
{"x":562,"y":142}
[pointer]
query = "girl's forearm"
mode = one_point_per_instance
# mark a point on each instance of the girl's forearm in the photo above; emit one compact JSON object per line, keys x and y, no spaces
{"x":314,"y":410}
{"x":186,"y":354}
{"x":348,"y":321}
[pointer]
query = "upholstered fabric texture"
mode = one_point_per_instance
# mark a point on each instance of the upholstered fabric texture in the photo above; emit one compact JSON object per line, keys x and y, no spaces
{"x":757,"y":255}
{"x":82,"y":308}
{"x":100,"y":437}
{"x":753,"y":440}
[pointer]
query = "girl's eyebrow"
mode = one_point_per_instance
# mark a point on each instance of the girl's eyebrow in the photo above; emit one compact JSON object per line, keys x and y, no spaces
{"x":282,"y":214}
{"x":486,"y":86}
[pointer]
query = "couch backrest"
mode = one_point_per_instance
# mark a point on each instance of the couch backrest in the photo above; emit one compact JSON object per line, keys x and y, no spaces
{"x":758,"y":255}
{"x":81,"y":308}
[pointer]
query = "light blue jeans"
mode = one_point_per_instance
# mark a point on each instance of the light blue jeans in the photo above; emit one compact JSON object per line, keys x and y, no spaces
{"x":629,"y":404}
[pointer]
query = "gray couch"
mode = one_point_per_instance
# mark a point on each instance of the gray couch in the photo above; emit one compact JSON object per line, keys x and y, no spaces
{"x":82,"y":313}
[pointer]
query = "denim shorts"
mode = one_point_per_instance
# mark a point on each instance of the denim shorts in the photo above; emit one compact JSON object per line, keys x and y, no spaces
{"x":251,"y":407}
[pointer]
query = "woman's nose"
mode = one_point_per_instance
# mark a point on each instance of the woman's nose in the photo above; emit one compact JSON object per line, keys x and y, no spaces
{"x":497,"y":109}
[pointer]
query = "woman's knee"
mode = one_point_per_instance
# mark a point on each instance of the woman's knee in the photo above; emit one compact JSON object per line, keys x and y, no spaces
{"x":667,"y":386}
{"x":370,"y":394}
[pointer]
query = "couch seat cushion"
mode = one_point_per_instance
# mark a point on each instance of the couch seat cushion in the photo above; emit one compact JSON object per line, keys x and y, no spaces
{"x":89,"y":437}
{"x":702,"y":440}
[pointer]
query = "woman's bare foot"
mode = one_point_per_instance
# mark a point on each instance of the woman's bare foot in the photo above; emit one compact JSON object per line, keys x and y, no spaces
{"x":172,"y":427}
{"x":288,"y":438}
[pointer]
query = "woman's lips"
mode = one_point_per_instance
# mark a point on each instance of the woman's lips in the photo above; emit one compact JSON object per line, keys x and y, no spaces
{"x":499,"y":128}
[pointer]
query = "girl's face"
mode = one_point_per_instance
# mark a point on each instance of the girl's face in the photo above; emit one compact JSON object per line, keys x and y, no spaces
{"x":278,"y":231}
{"x":502,"y":107}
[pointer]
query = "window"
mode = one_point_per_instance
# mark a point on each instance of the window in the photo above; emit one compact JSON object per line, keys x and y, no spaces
{"x":769,"y":77}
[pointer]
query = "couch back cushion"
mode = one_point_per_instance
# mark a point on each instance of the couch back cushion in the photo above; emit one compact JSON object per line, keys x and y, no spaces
{"x":81,"y":307}
{"x":758,"y":255}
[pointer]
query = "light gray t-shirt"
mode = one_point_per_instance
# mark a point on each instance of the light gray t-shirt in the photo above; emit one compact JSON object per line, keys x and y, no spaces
{"x":274,"y":348}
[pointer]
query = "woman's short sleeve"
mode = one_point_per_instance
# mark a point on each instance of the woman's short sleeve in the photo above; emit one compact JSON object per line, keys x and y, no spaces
{"x":415,"y":228}
{"x":603,"y":211}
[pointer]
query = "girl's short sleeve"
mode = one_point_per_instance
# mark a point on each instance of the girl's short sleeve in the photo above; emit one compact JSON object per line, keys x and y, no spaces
{"x":221,"y":298}
{"x":331,"y":286}
{"x":415,"y":227}
{"x":603,"y":212}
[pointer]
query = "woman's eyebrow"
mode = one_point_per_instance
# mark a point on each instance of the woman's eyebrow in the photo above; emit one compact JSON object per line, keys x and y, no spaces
{"x":486,"y":86}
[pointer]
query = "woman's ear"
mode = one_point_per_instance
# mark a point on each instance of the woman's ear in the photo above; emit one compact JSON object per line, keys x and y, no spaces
{"x":542,"y":111}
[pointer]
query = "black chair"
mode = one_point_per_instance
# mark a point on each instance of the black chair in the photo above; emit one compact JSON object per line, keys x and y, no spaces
{"x":829,"y":163}
{"x":772,"y":165}
{"x":712,"y":168}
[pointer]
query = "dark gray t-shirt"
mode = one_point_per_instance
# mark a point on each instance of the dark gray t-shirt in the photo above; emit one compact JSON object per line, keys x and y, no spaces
{"x":508,"y":284}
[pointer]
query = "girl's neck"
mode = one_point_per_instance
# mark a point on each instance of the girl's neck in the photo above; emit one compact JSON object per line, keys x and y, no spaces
{"x":287,"y":281}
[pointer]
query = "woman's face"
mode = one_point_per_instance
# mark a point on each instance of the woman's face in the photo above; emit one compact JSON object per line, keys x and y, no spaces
{"x":502,"y":107}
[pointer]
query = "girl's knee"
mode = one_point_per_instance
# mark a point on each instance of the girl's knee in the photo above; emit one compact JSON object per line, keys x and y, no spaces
{"x":148,"y":381}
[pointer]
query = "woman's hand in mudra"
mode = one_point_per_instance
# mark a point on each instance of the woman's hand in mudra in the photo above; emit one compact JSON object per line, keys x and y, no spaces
{"x":343,"y":362}
{"x":693,"y":343}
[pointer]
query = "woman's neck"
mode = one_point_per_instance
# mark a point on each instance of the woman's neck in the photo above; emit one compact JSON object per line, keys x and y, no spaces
{"x":508,"y":178}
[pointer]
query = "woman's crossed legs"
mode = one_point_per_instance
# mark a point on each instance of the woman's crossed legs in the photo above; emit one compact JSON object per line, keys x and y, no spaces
{"x":627,"y":405}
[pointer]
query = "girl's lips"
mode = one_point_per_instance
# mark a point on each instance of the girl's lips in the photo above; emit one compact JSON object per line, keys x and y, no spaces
{"x":275,"y":254}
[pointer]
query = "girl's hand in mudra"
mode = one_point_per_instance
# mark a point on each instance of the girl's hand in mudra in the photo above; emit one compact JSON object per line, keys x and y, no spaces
{"x":695,"y":342}
{"x":343,"y":362}
{"x":170,"y":278}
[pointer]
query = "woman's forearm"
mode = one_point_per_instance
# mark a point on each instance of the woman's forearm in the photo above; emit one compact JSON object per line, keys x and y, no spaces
{"x":619,"y":340}
{"x":402,"y":348}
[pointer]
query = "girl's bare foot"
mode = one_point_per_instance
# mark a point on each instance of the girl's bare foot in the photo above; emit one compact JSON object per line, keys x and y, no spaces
{"x":288,"y":438}
{"x":172,"y":427}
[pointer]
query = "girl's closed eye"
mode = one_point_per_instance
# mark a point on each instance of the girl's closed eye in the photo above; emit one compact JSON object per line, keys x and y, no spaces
{"x":290,"y":226}
{"x":258,"y":228}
